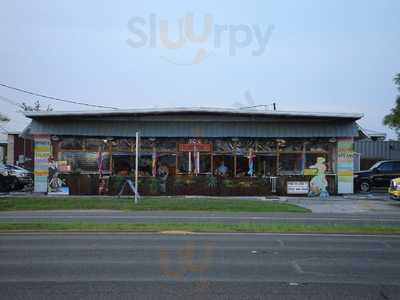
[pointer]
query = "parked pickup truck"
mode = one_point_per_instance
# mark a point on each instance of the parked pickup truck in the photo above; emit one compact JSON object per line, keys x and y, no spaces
{"x":379,"y":175}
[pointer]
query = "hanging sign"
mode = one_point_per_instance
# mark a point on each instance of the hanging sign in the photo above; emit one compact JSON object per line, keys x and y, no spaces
{"x":195,"y":147}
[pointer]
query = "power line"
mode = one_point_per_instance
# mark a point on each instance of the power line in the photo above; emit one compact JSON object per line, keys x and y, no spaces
{"x":54,"y":98}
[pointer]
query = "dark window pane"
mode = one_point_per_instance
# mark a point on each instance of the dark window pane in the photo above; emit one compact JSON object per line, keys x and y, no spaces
{"x":386,"y":167}
{"x":83,"y":161}
{"x":290,"y":164}
{"x":205,"y":163}
{"x":168,"y":160}
{"x":396,"y":166}
{"x":145,"y":165}
{"x":123,"y":163}
{"x":223,"y":165}
{"x":183,"y":163}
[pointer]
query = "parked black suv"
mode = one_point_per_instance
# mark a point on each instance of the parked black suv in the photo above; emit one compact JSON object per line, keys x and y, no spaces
{"x":379,"y":175}
{"x":7,"y":181}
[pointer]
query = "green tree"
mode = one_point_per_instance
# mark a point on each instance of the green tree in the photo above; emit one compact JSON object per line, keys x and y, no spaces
{"x":392,"y":120}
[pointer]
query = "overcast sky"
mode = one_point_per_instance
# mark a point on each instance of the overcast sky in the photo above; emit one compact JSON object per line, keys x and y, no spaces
{"x":333,"y":56}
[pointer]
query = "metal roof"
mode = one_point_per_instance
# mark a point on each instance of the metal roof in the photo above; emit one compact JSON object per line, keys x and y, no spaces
{"x":194,"y":129}
{"x":193,"y":110}
{"x":194,"y":122}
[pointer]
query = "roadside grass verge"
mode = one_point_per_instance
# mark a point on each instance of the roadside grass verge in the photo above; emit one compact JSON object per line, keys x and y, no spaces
{"x":204,"y":227}
{"x":146,"y":203}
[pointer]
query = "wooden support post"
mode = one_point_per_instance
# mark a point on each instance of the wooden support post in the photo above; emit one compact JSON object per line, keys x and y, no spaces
{"x":304,"y":157}
{"x":111,"y":158}
{"x":277,"y":158}
{"x":212,"y":159}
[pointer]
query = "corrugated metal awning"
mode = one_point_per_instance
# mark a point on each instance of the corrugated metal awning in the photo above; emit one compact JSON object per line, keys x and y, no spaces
{"x":104,"y":128}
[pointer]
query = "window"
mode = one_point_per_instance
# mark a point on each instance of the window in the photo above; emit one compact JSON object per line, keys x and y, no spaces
{"x":290,"y":164}
{"x":242,"y":166}
{"x":83,"y":161}
{"x":386,"y":167}
{"x":223,"y":165}
{"x":183,"y":162}
{"x":145,"y":165}
{"x":396,"y":166}
{"x":168,"y":160}
{"x":123,"y":163}
{"x":205,"y":163}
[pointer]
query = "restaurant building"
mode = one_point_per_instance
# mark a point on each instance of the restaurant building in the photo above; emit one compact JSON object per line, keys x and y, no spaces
{"x":198,"y":151}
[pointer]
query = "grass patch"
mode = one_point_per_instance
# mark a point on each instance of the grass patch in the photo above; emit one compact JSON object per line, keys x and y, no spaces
{"x":146,"y":203}
{"x":205,"y":227}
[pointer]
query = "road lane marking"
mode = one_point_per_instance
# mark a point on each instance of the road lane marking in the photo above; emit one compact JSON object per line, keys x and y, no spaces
{"x":200,"y":218}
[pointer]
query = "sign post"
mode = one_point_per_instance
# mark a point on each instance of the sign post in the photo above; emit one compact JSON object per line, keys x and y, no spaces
{"x":137,"y":167}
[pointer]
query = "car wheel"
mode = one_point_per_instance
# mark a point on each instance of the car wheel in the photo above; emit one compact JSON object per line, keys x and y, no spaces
{"x":365,"y":186}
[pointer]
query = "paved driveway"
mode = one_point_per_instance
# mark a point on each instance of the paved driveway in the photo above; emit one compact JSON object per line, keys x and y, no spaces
{"x":349,"y":205}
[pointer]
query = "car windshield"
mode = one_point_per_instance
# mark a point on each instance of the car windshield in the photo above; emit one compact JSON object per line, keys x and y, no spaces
{"x":375,"y":165}
{"x":16,"y":168}
{"x":12,"y":167}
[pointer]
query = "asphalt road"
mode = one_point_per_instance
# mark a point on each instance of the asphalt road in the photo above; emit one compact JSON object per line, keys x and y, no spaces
{"x":103,"y":216}
{"x":200,"y":266}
